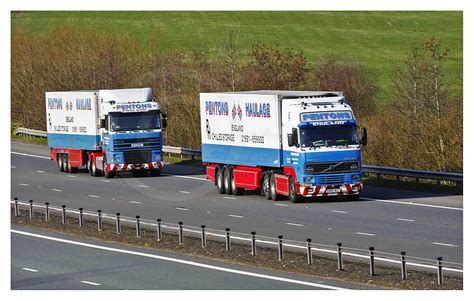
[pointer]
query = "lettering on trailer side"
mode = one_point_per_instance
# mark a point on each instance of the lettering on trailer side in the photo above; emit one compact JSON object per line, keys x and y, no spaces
{"x":55,"y":103}
{"x":253,"y":109}
{"x":217,"y":108}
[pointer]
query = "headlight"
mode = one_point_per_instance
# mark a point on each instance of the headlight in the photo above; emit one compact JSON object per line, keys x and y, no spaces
{"x":354,"y":166}
{"x":115,"y":159}
{"x":157,"y":158}
{"x":355,"y":177}
{"x":307,"y":179}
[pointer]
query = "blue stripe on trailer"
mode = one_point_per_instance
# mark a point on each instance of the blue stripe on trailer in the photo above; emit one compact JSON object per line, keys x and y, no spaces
{"x":240,"y":155}
{"x":84,"y":142}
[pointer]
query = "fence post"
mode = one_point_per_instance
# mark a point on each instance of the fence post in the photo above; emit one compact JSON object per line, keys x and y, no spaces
{"x":310,"y":254}
{"x":32,"y":215}
{"x":203,"y":236}
{"x":118,"y":226}
{"x":340,"y":264}
{"x":46,"y":212}
{"x":372,"y":261}
{"x":159,"y":235}
{"x":227,"y":239}
{"x":440,"y":270}
{"x":254,"y":243}
{"x":137,"y":226}
{"x":280,"y":247}
{"x":404,"y":265}
{"x":99,"y":220}
{"x":64,"y":214}
{"x":17,"y":212}
{"x":81,"y":220}
{"x":180,"y":233}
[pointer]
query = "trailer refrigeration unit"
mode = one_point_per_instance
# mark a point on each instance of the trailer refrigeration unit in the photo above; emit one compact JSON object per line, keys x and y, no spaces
{"x":108,"y":131}
{"x":298,"y":144}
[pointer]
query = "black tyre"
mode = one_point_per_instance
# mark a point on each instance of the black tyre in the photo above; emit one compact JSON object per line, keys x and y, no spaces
{"x":60,"y":162}
{"x":89,"y":166}
{"x":273,"y":191}
{"x":95,"y":171}
{"x":66,"y":163}
{"x":227,"y":183}
{"x":220,"y":180}
{"x":108,"y":175}
{"x":292,"y":194}
{"x":155,"y":173}
{"x":70,"y":168}
{"x":353,"y":198}
{"x":235,"y":190}
{"x":266,"y":186}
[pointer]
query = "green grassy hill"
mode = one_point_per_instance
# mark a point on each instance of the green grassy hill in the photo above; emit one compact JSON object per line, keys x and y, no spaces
{"x":378,"y":40}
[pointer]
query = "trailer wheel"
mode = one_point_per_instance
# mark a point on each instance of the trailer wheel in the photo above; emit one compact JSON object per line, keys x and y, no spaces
{"x":220,"y":180}
{"x":66,"y":163}
{"x":293,"y":195}
{"x":60,"y":162}
{"x":89,"y":166}
{"x":235,"y":190}
{"x":273,"y":190}
{"x":70,"y":168}
{"x":227,"y":184}
{"x":266,"y":186}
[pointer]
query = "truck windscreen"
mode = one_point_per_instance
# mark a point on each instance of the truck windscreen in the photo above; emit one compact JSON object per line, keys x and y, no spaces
{"x":319,"y":136}
{"x":134,"y":121}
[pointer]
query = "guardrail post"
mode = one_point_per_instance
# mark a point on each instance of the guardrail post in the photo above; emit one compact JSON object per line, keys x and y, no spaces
{"x":403,"y":265}
{"x":159,"y":234}
{"x":137,"y":226}
{"x":99,"y":220}
{"x":180,"y":233}
{"x":17,"y":211}
{"x":309,"y":251}
{"x":227,"y":239}
{"x":340,"y":264}
{"x":32,"y":214}
{"x":440,"y":270}
{"x":280,"y":247}
{"x":81,"y":217}
{"x":64,"y":214}
{"x":203,"y":236}
{"x":118,"y":226}
{"x":372,"y":261}
{"x":254,"y":243}
{"x":46,"y":212}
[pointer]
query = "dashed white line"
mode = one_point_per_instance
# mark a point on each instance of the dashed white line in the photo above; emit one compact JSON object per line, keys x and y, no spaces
{"x":413,"y":204}
{"x":94,"y":196}
{"x":12,"y":166}
{"x":297,"y":225}
{"x":144,"y":186}
{"x":40,"y":187}
{"x":182,"y":208}
{"x":106,"y":181}
{"x":229,"y":198}
{"x":91,"y":283}
{"x":237,"y":216}
{"x":135,"y":202}
{"x":58,"y":190}
{"x":444,"y":244}
{"x":283,"y":205}
{"x":28,"y":155}
{"x":40,"y":171}
{"x":71,"y":176}
{"x":30,"y":270}
{"x":338,"y":211}
{"x":24,"y":184}
{"x":185,"y":177}
{"x":405,"y":220}
{"x":184,"y":191}
{"x":366,"y":234}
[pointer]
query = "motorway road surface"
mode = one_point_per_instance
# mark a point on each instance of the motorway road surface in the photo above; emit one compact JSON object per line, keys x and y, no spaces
{"x":425,"y":225}
{"x":49,"y":260}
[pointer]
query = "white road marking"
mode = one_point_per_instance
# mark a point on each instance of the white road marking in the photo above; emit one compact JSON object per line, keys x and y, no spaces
{"x":185,"y":177}
{"x":24,"y":184}
{"x":297,"y":225}
{"x":184,"y":191}
{"x":229,"y":198}
{"x":366,"y":234}
{"x":12,"y":166}
{"x":405,"y":220}
{"x":181,"y":261}
{"x":106,"y":181}
{"x":91,"y":283}
{"x":30,"y":270}
{"x":29,"y":155}
{"x":40,"y":171}
{"x":94,"y":196}
{"x":237,"y":216}
{"x":144,"y":186}
{"x":182,"y":208}
{"x":413,"y":204}
{"x":135,"y":202}
{"x":338,"y":211}
{"x":278,"y":204}
{"x":54,"y":189}
{"x":40,"y":187}
{"x":446,"y":245}
{"x":208,"y":211}
{"x":71,"y":176}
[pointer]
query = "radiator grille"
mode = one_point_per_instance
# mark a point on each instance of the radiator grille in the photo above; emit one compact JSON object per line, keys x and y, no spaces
{"x":332,"y":180}
{"x":137,"y":157}
{"x":331,"y":167}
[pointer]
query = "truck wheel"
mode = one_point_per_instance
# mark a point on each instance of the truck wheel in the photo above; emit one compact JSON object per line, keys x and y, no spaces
{"x":293,"y":195}
{"x":89,"y":166}
{"x":227,"y":184}
{"x":95,"y":171}
{"x":60,"y":162}
{"x":273,"y":190}
{"x":70,"y":168}
{"x":266,"y":186}
{"x":220,"y":180}
{"x":65,"y":163}
{"x":235,"y":190}
{"x":108,"y":175}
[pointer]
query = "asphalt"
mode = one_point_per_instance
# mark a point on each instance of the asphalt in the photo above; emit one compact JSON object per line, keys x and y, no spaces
{"x":41,"y":262}
{"x":425,"y":225}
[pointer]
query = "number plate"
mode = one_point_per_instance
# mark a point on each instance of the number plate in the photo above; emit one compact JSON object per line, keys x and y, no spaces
{"x":137,"y":144}
{"x":332,"y":190}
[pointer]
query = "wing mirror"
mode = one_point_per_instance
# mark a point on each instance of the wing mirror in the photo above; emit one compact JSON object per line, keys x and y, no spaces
{"x":164,"y":120}
{"x":363,"y":139}
{"x":293,"y":137}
